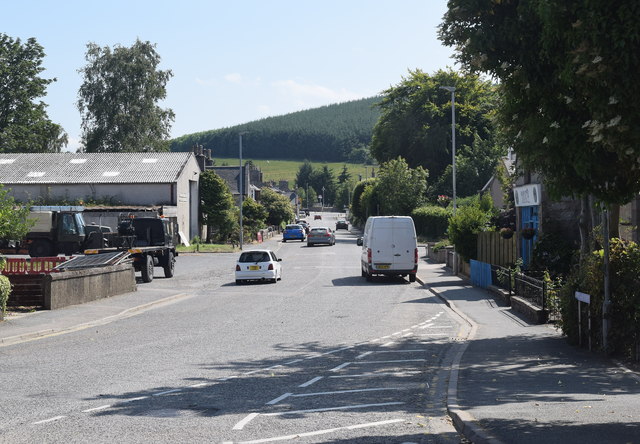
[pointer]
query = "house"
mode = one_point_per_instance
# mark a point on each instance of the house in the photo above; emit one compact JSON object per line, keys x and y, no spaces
{"x":167,"y":182}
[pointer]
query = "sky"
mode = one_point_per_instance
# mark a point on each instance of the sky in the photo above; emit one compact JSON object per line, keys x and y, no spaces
{"x":237,"y":61}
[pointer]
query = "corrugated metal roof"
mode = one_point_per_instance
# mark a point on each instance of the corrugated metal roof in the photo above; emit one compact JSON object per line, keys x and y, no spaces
{"x":52,"y":168}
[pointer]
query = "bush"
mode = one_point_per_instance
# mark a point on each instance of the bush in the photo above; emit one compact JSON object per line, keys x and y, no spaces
{"x":431,"y":221}
{"x":464,"y":228}
{"x":624,"y":335}
{"x":5,"y":288}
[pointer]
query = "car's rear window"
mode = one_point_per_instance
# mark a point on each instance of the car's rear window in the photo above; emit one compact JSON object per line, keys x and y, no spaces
{"x":254,"y":256}
{"x":293,"y":227}
{"x":319,"y":230}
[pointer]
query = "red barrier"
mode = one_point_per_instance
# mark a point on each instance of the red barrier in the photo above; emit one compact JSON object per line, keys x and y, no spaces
{"x":34,"y":265}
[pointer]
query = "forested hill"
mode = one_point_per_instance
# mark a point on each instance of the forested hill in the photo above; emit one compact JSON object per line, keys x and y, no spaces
{"x":332,"y":133}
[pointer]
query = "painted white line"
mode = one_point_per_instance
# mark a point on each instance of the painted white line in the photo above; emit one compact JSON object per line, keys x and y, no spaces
{"x":322,"y":432}
{"x":272,"y":367}
{"x":406,"y":329}
{"x":246,"y":373}
{"x":360,"y":356}
{"x":340,"y":392}
{"x":44,"y":421}
{"x":337,"y":350}
{"x":391,"y":362}
{"x":167,"y":392}
{"x":245,"y":421}
{"x":133,"y":399}
{"x":340,"y":367}
{"x":202,"y":384}
{"x":279,"y":398}
{"x":369,"y":375}
{"x":402,"y":351}
{"x":292,"y":362}
{"x":328,"y":409}
{"x":406,"y":335}
{"x":388,"y":344}
{"x":440,"y":326}
{"x":398,"y":333}
{"x":426,"y":326}
{"x":435,"y":334}
{"x":311,"y":381}
{"x":386,"y":337}
{"x":102,"y":407}
{"x":234,"y":377}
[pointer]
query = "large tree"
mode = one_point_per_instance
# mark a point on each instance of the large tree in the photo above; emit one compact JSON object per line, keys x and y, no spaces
{"x":119,"y":99}
{"x":416,"y":122}
{"x":569,"y":103}
{"x":217,"y":205}
{"x":278,"y":207}
{"x":24,"y":124}
{"x":400,"y":189}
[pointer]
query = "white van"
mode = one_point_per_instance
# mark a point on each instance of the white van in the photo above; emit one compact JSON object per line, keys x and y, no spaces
{"x":389,"y":247}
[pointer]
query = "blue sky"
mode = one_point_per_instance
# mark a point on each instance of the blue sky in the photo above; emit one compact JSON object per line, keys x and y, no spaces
{"x":237,"y":61}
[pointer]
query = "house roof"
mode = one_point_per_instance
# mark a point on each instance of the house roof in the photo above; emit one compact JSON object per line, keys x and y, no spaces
{"x":230,"y":175}
{"x":73,"y":168}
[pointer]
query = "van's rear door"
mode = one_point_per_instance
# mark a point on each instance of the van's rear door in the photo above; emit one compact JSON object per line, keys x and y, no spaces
{"x":404,"y":244}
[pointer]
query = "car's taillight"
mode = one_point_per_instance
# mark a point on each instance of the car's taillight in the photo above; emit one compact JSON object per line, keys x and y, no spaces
{"x":270,"y":267}
{"x":237,"y":267}
{"x":369,"y":255}
{"x":415,"y":256}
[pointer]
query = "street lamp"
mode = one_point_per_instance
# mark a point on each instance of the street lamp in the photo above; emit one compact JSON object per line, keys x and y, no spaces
{"x":322,"y":209}
{"x":452,"y":90}
{"x":241,"y":190}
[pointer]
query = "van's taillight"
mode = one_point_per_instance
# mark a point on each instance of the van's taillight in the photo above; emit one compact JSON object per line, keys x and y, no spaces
{"x":415,"y":256}
{"x":369,"y":255}
{"x":270,"y":267}
{"x":237,"y":267}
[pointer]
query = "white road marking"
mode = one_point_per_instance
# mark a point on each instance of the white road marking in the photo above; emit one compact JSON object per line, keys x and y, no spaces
{"x":245,"y":421}
{"x":292,"y":362}
{"x":340,"y":367}
{"x":234,"y":377}
{"x":133,"y":399}
{"x":362,"y":355}
{"x":401,"y":351}
{"x":388,"y":344}
{"x":322,"y":432}
{"x":369,"y":375}
{"x":44,"y":421}
{"x":406,"y":335}
{"x":279,"y":398}
{"x":328,"y":409}
{"x":311,"y":381}
{"x":273,"y":366}
{"x":340,"y":392}
{"x":435,"y":334}
{"x":102,"y":407}
{"x":391,"y":362}
{"x":167,"y":392}
{"x":426,"y":326}
{"x":202,"y":384}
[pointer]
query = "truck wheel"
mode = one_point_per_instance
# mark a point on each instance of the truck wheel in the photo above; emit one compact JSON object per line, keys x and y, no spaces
{"x":170,"y":265}
{"x":147,"y":269}
{"x":40,"y":248}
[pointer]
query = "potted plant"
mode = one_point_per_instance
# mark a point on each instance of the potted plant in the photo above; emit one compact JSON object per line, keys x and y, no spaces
{"x":528,"y":232}
{"x":506,"y":233}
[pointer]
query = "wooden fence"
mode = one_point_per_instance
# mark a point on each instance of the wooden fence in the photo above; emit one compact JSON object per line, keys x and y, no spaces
{"x":494,"y":249}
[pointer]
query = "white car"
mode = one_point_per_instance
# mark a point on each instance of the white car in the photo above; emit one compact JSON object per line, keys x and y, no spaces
{"x":258,"y":265}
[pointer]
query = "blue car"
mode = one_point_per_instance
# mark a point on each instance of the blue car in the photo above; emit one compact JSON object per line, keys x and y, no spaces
{"x":293,"y":232}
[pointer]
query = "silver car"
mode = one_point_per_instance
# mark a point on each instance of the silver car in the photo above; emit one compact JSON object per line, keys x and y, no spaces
{"x":321,"y":235}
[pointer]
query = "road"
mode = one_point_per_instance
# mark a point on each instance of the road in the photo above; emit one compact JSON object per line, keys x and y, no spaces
{"x":321,"y":356}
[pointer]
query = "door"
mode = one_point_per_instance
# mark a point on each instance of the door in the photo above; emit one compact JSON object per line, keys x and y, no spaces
{"x":528,"y":219}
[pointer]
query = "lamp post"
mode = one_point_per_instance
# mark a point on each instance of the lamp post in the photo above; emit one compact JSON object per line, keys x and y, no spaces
{"x":452,"y":90}
{"x":322,"y":209}
{"x":241,"y":190}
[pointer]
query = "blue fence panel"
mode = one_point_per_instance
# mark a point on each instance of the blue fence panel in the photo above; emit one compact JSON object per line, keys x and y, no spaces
{"x":480,"y":274}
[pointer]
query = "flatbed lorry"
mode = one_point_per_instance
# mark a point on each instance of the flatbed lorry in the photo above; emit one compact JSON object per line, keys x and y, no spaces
{"x":150,"y":241}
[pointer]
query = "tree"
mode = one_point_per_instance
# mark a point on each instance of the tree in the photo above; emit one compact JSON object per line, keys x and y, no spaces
{"x":217,"y":204}
{"x":24,"y":124}
{"x":278,"y":207}
{"x":254,"y":216}
{"x":14,"y":222}
{"x":118,"y":100}
{"x":569,"y":107}
{"x":400,"y":189}
{"x":344,"y":175}
{"x":358,"y":212}
{"x":324,"y":183}
{"x":416,"y":121}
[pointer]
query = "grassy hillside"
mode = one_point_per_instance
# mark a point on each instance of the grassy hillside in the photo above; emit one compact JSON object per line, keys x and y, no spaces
{"x":333,"y":133}
{"x":278,"y":170}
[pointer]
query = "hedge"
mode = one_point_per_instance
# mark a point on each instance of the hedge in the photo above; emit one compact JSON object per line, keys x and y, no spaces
{"x":431,"y":221}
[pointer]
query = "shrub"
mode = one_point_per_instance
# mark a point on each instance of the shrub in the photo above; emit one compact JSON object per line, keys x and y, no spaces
{"x":431,"y":221}
{"x":624,"y":335}
{"x":464,"y":228}
{"x":5,"y":288}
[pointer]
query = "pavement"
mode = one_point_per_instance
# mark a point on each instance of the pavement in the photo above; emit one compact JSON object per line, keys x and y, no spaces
{"x":516,"y":382}
{"x":511,"y":381}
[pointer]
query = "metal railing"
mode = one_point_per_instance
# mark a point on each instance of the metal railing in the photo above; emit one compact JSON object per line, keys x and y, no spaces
{"x":34,"y":265}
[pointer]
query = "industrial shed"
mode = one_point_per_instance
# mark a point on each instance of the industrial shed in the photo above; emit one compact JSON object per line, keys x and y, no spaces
{"x":165,"y":180}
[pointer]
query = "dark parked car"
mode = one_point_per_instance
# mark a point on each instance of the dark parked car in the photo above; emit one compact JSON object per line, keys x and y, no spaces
{"x":342,"y":225}
{"x":317,"y":217}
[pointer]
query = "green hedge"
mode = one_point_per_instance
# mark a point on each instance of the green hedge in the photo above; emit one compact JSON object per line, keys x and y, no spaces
{"x":431,"y":221}
{"x":5,"y":289}
{"x":624,"y":335}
